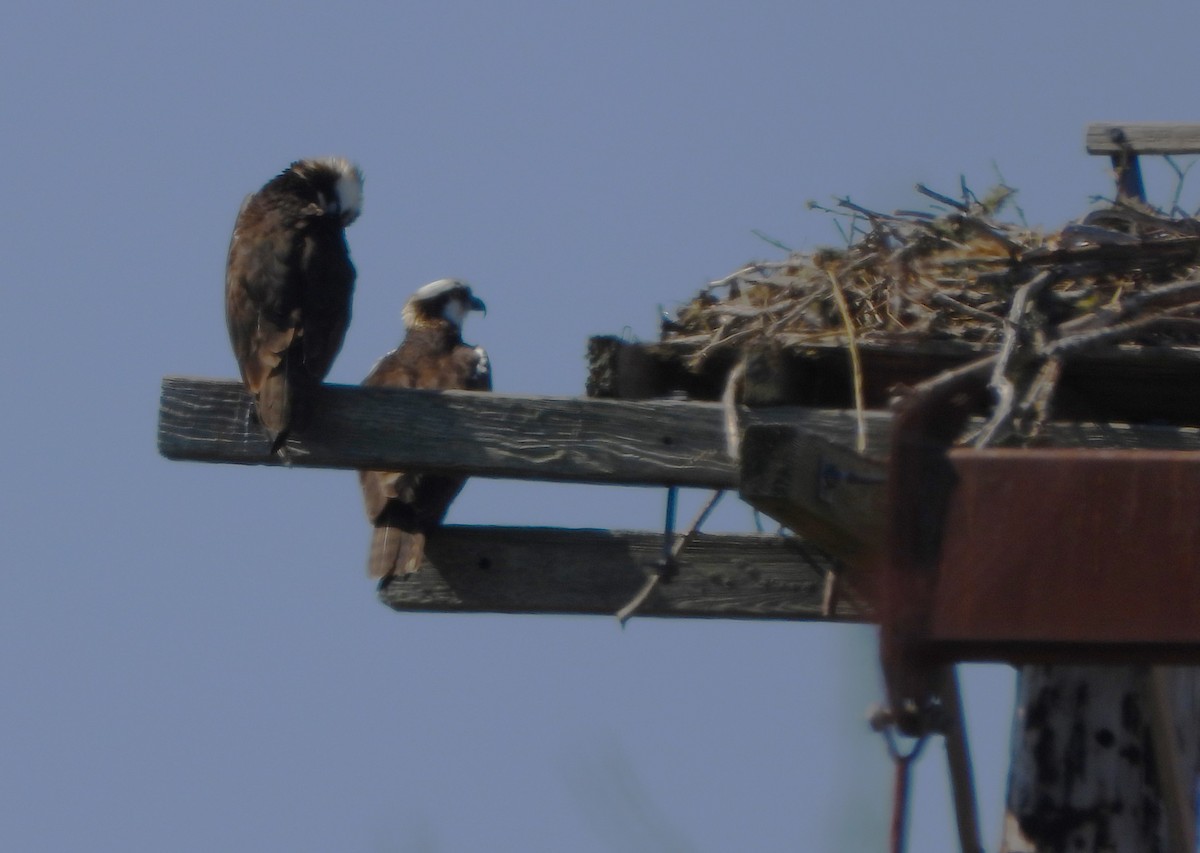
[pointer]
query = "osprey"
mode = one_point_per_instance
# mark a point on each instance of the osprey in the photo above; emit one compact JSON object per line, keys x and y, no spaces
{"x":288,"y":285}
{"x":406,"y":507}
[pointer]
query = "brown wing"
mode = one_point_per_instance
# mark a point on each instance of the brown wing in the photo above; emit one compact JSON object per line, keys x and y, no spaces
{"x":327,"y":279}
{"x":405,"y":507}
{"x":288,"y":286}
{"x":262,"y":307}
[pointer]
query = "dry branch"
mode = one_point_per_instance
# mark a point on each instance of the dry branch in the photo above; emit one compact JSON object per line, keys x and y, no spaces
{"x":1122,"y":275}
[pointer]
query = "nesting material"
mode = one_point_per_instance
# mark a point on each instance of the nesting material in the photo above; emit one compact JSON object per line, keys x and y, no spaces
{"x":965,"y":280}
{"x":911,"y":277}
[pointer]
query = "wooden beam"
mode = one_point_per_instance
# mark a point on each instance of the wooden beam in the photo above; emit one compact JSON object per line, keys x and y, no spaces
{"x":836,"y":497}
{"x":566,"y":439}
{"x":798,"y":465}
{"x":1117,"y":384}
{"x":818,"y":374}
{"x":1143,"y":138}
{"x":460,"y":432}
{"x":551,"y":570}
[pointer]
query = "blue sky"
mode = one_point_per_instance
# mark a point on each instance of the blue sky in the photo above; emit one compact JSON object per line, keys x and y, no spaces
{"x":192,"y":657}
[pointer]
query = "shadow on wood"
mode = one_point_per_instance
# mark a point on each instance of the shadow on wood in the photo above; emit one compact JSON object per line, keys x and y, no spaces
{"x":553,"y":570}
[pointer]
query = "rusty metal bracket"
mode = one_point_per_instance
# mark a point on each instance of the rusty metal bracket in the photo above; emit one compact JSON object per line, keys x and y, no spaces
{"x":1046,"y":554}
{"x":927,"y":420}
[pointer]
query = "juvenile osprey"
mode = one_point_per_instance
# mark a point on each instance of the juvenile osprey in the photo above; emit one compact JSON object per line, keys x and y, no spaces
{"x":288,"y":285}
{"x":406,"y":507}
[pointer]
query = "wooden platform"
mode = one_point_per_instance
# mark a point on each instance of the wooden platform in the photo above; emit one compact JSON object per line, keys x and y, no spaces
{"x":1126,"y":384}
{"x":795,"y":463}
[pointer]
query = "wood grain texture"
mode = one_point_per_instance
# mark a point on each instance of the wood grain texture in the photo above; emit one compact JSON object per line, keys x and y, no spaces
{"x":832,"y":495}
{"x":568,"y":439}
{"x":1144,"y":137}
{"x":459,"y":432}
{"x":1138,"y":384}
{"x":1083,"y":774}
{"x":554,"y":570}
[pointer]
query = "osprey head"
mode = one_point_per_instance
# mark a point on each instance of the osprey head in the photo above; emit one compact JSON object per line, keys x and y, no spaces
{"x":445,"y":299}
{"x":338,"y":185}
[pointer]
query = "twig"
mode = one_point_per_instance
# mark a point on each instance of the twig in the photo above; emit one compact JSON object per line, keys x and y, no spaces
{"x":1011,"y":192}
{"x":729,"y":402}
{"x":860,"y":408}
{"x":733,"y":276}
{"x":944,"y":199}
{"x":680,"y":544}
{"x":694,"y":527}
{"x":984,"y":228}
{"x":968,"y":197}
{"x":948,"y":301}
{"x":1119,"y":331}
{"x":1033,"y":413}
{"x":1000,"y":384}
{"x":831,"y":596}
{"x":1180,"y":177}
{"x":857,"y":208}
{"x":1134,"y":302}
{"x":760,"y":235}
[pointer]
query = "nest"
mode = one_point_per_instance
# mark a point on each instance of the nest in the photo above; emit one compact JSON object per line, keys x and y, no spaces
{"x":1025,"y":301}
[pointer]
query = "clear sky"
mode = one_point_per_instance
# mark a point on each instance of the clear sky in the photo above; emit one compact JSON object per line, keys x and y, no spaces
{"x":191,"y":656}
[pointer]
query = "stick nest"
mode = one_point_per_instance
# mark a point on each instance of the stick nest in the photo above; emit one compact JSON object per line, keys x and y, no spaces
{"x":910,"y":278}
{"x":1016,"y":302}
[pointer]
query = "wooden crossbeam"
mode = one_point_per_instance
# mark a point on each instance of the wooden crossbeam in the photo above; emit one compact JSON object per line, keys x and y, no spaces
{"x":553,"y":570}
{"x":1118,"y":384}
{"x":1124,"y":143}
{"x":566,"y":439}
{"x":823,"y":489}
{"x":459,"y":432}
{"x":1143,"y":138}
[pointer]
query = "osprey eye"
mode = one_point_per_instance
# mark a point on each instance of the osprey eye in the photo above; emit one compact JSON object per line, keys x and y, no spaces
{"x":328,"y":205}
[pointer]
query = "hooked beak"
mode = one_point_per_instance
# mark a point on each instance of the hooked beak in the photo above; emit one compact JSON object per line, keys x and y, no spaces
{"x":476,"y":304}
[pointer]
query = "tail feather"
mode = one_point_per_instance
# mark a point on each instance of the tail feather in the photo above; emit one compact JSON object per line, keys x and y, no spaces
{"x":394,"y":552}
{"x":273,"y":405}
{"x":284,"y":403}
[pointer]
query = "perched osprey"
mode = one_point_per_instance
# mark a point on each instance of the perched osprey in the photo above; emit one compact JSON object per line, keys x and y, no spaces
{"x":288,"y":285}
{"x":405,"y":507}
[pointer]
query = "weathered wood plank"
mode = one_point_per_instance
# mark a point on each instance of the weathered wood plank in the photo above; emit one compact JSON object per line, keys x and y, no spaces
{"x":539,"y":438}
{"x":483,"y":435}
{"x":798,"y":463}
{"x":1082,"y":775}
{"x":1144,"y":138}
{"x":552,"y":570}
{"x":1118,"y":384}
{"x":834,"y":496}
{"x":837,"y":499}
{"x":818,"y":373}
